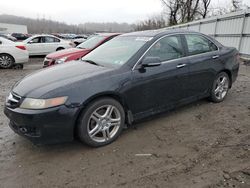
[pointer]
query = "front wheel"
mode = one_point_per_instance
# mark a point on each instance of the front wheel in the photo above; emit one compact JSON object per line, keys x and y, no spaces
{"x":220,"y":87}
{"x":101,"y":123}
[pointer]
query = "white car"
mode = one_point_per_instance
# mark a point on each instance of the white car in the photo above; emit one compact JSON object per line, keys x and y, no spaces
{"x":12,"y":54}
{"x":45,"y":44}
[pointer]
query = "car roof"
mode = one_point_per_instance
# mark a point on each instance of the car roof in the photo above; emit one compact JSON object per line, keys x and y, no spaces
{"x":158,"y":32}
{"x":43,"y":35}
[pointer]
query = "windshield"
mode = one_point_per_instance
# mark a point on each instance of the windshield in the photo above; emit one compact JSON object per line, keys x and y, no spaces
{"x":91,"y":42}
{"x":117,"y":51}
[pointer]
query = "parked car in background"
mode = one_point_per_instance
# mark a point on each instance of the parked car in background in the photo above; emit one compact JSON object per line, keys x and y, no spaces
{"x":9,"y":37}
{"x":78,"y":39}
{"x":131,"y":77}
{"x":45,"y":44}
{"x":20,"y":36}
{"x":12,"y":54}
{"x":76,"y":53}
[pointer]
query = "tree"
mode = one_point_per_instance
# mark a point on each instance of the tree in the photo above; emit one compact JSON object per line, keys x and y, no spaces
{"x":181,"y":11}
{"x":173,"y":6}
{"x":154,"y":22}
{"x":236,"y":5}
{"x":204,"y":8}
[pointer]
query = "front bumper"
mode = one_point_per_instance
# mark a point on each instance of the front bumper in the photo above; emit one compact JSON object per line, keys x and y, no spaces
{"x":48,"y":126}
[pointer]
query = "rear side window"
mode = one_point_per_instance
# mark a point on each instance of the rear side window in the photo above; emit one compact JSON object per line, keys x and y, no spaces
{"x":167,"y":48}
{"x":198,"y":44}
{"x":51,"y":40}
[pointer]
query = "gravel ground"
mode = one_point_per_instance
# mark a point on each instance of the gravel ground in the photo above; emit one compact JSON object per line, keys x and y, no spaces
{"x":198,"y":145}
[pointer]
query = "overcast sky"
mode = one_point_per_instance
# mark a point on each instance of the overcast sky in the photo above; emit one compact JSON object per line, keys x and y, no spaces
{"x":80,"y":11}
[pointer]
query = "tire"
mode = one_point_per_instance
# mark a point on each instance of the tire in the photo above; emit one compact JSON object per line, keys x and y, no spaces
{"x":101,"y":122}
{"x":6,"y":61}
{"x":18,"y":66}
{"x":220,"y":87}
{"x":60,"y":48}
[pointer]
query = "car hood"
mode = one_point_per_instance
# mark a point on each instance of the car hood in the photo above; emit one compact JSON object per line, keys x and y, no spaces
{"x":54,"y":79}
{"x":67,"y":52}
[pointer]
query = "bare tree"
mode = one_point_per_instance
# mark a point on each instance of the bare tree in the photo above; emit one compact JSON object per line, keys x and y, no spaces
{"x":181,"y":11}
{"x":236,"y":5}
{"x":174,"y":7}
{"x":204,"y":8}
{"x":154,"y":22}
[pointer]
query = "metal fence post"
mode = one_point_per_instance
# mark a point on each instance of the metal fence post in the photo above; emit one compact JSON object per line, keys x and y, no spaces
{"x":242,"y":30}
{"x":215,"y":27}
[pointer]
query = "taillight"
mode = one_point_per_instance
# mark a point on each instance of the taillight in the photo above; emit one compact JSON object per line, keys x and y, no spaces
{"x":21,"y":47}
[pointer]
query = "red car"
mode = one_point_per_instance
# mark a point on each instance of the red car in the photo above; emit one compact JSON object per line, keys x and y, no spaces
{"x":78,"y":52}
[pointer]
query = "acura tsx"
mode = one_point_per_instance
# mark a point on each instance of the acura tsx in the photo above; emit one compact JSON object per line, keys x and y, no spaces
{"x":132,"y":76}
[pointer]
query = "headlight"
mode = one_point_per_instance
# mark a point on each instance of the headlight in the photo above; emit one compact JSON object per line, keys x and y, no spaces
{"x":36,"y":104}
{"x":61,"y":60}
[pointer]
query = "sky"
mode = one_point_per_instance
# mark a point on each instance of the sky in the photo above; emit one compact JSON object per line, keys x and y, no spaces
{"x":80,"y":11}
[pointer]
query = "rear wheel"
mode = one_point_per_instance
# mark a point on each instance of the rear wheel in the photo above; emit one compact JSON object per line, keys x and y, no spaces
{"x":6,"y":61}
{"x":60,"y":48}
{"x":220,"y":87}
{"x":101,"y":123}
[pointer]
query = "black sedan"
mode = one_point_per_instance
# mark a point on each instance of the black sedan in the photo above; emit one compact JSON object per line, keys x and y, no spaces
{"x":131,"y":77}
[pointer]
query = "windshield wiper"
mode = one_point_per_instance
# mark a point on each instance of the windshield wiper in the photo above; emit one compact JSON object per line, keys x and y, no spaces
{"x":92,"y":62}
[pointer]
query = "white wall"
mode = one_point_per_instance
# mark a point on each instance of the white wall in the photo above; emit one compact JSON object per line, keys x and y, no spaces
{"x":12,"y":28}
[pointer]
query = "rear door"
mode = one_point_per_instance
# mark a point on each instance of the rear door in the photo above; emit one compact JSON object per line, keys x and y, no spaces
{"x":50,"y":44}
{"x":203,"y":57}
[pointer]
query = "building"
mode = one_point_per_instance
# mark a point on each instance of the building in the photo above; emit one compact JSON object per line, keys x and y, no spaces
{"x":13,"y":28}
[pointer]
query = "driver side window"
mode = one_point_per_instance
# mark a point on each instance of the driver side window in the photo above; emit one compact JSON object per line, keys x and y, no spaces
{"x":167,"y":48}
{"x":36,"y":40}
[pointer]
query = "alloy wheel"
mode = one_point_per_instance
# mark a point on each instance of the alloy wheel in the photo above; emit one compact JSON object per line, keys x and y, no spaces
{"x":104,"y":123}
{"x":221,"y":87}
{"x":5,"y":61}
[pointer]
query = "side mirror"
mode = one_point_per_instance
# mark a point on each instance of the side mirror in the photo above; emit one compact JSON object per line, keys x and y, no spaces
{"x":151,"y":62}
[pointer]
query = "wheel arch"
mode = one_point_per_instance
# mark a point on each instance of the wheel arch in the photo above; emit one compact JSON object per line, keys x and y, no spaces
{"x":229,"y":73}
{"x":114,"y":95}
{"x":60,"y":48}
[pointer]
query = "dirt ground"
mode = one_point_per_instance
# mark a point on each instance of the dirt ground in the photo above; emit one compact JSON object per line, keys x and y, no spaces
{"x":198,"y":145}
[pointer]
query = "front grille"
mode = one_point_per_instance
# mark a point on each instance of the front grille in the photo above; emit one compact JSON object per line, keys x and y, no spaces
{"x":13,"y":100}
{"x":47,"y":62}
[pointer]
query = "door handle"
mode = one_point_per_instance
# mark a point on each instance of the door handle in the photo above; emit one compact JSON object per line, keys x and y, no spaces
{"x":181,"y":65}
{"x":215,"y":56}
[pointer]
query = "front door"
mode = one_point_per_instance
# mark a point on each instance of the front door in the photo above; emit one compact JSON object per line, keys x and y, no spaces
{"x":156,"y":88}
{"x":34,"y":46}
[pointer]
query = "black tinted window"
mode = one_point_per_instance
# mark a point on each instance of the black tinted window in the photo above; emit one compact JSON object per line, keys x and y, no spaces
{"x":198,"y":44}
{"x":167,"y":48}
